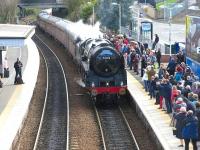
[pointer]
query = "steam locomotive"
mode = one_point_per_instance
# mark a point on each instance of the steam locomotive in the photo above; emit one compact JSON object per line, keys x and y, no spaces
{"x":101,"y":66}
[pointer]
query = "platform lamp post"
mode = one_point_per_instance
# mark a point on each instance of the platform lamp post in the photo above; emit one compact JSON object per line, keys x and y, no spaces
{"x":164,"y":10}
{"x":93,"y":15}
{"x":92,"y":12}
{"x":170,"y":27}
{"x":138,"y":21}
{"x":186,"y":7}
{"x":120,"y":16}
{"x":170,"y":31}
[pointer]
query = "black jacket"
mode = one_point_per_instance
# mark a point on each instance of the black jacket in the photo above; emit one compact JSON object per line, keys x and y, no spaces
{"x":18,"y":65}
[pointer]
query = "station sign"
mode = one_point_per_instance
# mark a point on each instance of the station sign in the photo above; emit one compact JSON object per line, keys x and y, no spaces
{"x":146,"y":30}
{"x":146,"y":26}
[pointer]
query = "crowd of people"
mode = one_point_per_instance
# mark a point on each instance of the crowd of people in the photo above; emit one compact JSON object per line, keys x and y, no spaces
{"x":173,"y":85}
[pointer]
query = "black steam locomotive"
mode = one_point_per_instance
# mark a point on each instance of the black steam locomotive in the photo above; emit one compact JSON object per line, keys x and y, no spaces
{"x":101,"y":66}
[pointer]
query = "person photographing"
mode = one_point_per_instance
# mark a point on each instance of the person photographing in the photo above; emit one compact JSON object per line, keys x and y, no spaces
{"x":18,"y":69}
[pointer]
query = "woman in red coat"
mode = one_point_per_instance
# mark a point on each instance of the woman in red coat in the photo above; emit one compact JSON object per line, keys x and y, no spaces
{"x":174,"y":94}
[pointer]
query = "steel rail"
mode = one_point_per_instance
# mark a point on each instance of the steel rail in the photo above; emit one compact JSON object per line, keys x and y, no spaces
{"x":100,"y":127}
{"x":129,"y":128}
{"x":115,"y":130}
{"x":45,"y":101}
{"x":66,"y":85}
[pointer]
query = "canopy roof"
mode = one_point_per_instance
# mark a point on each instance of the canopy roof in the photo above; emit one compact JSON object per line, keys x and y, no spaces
{"x":15,"y":35}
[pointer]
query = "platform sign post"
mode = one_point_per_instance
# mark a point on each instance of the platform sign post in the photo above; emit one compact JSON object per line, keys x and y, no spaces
{"x":2,"y":48}
{"x":147,"y":30}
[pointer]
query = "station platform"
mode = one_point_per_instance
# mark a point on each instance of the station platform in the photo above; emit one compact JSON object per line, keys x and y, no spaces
{"x":156,"y":120}
{"x":15,"y":99}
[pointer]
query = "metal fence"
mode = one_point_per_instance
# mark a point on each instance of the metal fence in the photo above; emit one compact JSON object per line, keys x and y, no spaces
{"x":174,"y":8}
{"x":164,"y":46}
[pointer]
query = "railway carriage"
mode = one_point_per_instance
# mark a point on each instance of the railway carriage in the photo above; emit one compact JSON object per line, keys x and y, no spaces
{"x":101,"y":66}
{"x":62,"y":37}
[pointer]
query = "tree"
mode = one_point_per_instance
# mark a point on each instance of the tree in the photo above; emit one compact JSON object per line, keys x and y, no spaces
{"x":74,"y":8}
{"x":8,"y":11}
{"x":109,"y":14}
{"x":87,"y":10}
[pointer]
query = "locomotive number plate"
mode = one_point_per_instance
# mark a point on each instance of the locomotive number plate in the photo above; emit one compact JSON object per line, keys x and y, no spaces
{"x":106,"y":57}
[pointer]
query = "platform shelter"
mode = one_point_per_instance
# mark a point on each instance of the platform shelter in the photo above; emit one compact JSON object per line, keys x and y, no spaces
{"x":13,"y":36}
{"x":16,"y":42}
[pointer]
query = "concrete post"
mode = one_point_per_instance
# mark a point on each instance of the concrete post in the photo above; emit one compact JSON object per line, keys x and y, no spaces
{"x":120,"y":18}
{"x":170,"y":31}
{"x":2,"y":48}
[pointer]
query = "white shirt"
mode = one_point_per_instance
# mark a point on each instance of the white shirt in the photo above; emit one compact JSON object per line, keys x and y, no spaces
{"x":5,"y":63}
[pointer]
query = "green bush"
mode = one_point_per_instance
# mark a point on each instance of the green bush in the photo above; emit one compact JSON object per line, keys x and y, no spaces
{"x":86,"y":12}
{"x":29,"y":12}
{"x":167,"y":2}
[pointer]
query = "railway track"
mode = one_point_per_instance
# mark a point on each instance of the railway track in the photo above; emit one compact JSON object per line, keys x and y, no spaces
{"x":84,"y":132}
{"x":54,"y":126}
{"x":115,"y":129}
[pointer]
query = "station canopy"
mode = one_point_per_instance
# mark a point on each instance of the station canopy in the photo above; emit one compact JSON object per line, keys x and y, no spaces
{"x":15,"y":35}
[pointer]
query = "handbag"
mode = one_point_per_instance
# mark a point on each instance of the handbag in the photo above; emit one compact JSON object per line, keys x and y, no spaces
{"x":6,"y":72}
{"x":174,"y":131}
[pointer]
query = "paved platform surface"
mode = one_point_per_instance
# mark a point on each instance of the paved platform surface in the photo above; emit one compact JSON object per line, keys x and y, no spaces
{"x":157,"y":120}
{"x":15,"y":99}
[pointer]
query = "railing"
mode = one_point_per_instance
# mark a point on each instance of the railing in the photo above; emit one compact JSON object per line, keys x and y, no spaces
{"x":42,"y":5}
{"x":163,"y":45}
{"x":175,"y":8}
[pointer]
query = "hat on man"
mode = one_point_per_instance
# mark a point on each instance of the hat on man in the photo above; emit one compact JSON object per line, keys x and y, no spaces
{"x":190,"y":112}
{"x":182,"y":109}
{"x":179,"y":100}
{"x":133,"y":42}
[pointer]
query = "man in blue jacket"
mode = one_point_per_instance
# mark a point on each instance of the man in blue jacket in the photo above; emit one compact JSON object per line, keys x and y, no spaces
{"x":167,"y":87}
{"x":171,"y":67}
{"x":190,"y":130}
